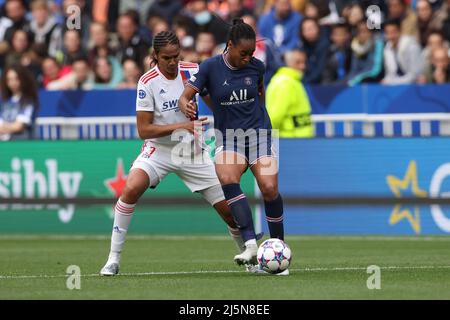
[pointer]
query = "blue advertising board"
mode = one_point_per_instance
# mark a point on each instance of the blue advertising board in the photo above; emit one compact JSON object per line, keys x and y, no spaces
{"x":397,"y":167}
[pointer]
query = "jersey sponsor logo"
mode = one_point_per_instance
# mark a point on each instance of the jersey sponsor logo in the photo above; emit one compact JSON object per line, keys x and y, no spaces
{"x":170,"y":105}
{"x":142,"y":94}
{"x":242,"y":95}
{"x":238,"y":97}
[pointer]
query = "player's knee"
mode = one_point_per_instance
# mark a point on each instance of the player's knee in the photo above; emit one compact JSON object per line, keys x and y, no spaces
{"x":269,"y":190}
{"x":131,"y":193}
{"x":226,"y":178}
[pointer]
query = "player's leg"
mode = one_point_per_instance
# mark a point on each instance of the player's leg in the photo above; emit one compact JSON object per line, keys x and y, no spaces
{"x":137,"y":182}
{"x":264,"y":170}
{"x":229,"y":168}
{"x":214,"y":195}
{"x":202,"y":178}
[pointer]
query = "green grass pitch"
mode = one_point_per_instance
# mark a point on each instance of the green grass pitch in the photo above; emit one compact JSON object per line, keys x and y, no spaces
{"x":202,"y":268}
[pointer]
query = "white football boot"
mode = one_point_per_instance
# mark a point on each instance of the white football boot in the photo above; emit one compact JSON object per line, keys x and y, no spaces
{"x":248,"y":256}
{"x":110,"y":269}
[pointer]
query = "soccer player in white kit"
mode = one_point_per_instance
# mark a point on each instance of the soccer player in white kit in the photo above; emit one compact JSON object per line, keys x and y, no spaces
{"x":158,"y":116}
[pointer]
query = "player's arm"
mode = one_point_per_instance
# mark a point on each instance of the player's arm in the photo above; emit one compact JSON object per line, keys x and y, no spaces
{"x":148,"y":130}
{"x":186,"y":102}
{"x":12,"y":128}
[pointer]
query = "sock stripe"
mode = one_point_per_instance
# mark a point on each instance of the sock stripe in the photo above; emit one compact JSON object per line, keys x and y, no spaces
{"x":121,"y":209}
{"x":234,"y":232}
{"x":279,"y":219}
{"x":237,"y":198}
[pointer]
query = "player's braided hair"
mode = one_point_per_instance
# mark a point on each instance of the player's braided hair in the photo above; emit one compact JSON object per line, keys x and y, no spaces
{"x":238,"y":31}
{"x":161,"y":40}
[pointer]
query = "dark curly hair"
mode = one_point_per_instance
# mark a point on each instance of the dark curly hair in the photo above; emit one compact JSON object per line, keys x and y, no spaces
{"x":28,"y":85}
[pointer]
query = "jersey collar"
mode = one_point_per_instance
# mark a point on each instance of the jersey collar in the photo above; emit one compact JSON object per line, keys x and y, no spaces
{"x":227,"y":64}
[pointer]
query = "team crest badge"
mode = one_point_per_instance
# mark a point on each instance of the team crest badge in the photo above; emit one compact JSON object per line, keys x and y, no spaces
{"x":248,"y":81}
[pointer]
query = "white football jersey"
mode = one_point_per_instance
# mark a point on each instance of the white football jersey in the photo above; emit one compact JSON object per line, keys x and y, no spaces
{"x":155,"y":93}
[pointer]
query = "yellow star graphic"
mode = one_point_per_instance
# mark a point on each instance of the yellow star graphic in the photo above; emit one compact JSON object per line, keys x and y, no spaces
{"x":409,"y":181}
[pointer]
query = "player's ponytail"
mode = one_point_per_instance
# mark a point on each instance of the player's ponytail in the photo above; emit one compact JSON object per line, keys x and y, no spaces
{"x":161,"y":40}
{"x":238,"y":31}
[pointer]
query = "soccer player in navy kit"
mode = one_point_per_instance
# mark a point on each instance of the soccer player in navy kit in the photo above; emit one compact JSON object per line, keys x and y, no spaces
{"x":234,"y":83}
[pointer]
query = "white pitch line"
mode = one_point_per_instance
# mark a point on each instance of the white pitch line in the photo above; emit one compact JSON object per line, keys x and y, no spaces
{"x":140,"y":274}
{"x":439,"y":238}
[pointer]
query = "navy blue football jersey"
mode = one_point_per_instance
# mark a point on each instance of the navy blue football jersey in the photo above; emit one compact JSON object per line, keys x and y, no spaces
{"x":234,"y":93}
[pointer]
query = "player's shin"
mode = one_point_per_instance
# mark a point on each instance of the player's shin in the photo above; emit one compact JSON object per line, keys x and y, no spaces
{"x":237,"y":238}
{"x":123,"y":213}
{"x":274,"y":216}
{"x":240,"y":209}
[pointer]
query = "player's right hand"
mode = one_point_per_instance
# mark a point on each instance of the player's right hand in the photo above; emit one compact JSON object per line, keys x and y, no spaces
{"x":196,"y":125}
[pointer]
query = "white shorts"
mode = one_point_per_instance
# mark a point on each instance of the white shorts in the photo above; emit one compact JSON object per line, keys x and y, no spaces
{"x":157,"y":161}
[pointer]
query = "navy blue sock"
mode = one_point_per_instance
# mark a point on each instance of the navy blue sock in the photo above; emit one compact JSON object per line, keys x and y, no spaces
{"x":274,"y":217}
{"x":240,"y":209}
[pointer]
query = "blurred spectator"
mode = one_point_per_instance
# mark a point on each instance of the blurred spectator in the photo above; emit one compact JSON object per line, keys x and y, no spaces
{"x":435,"y":40}
{"x":101,"y":44}
{"x":354,"y":14}
{"x":281,"y":25}
{"x":72,"y":48}
{"x":141,"y":6}
{"x":236,"y":9}
{"x":157,"y":24}
{"x":131,"y":45}
{"x":46,"y":31}
{"x":339,"y":55}
{"x":16,"y":11}
{"x":85,"y":18}
{"x":441,"y":16}
{"x":52,"y":71}
{"x":167,"y":9}
{"x":184,"y":28}
{"x":81,"y":77}
{"x":401,"y":54}
{"x":131,"y":74}
{"x":286,"y":99}
{"x":204,"y":20}
{"x":315,"y":44}
{"x":367,"y":56}
{"x":399,"y":9}
{"x":19,"y":104}
{"x":20,"y":46}
{"x":266,"y":51}
{"x":205,"y":45}
{"x":297,"y":5}
{"x":107,"y":73}
{"x":440,"y":66}
{"x":424,"y":18}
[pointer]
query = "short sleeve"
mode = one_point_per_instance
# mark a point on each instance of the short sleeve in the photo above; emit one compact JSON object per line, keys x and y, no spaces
{"x":144,"y":98}
{"x":261,"y":71}
{"x":199,"y":80}
{"x":26,"y":115}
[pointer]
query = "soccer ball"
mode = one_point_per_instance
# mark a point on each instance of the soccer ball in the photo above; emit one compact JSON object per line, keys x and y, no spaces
{"x":274,"y":256}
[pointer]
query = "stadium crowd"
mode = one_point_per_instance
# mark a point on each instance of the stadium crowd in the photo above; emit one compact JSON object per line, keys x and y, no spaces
{"x":344,"y":41}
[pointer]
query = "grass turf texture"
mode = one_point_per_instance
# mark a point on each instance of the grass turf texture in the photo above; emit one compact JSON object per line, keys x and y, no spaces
{"x":202,"y":268}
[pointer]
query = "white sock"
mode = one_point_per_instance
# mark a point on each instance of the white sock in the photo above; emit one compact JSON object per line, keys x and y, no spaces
{"x":123,"y":212}
{"x":236,"y":235}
